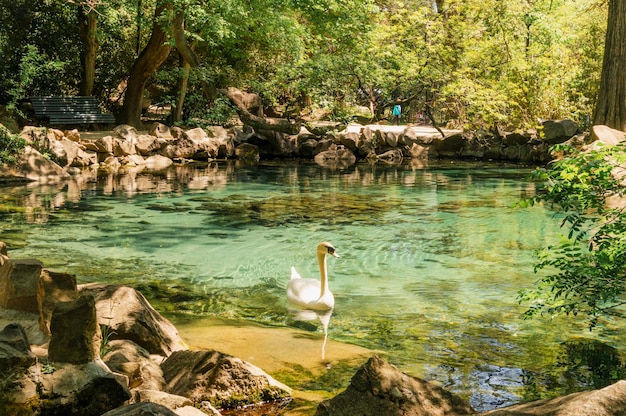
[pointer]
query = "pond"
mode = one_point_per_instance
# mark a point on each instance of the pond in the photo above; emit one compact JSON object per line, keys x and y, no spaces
{"x":432,"y":259}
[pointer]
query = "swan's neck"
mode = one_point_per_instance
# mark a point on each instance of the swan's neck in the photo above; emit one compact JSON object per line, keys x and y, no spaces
{"x":321,"y":260}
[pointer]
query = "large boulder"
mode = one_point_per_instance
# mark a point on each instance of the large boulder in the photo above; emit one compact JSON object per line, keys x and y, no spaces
{"x":223,"y":380}
{"x":607,"y":135}
{"x":247,"y":151}
{"x":128,"y":315}
{"x":53,"y":288}
{"x":126,"y":357}
{"x":80,"y":390}
{"x":379,"y":388}
{"x":64,"y":151}
{"x":15,"y":349}
{"x":75,"y":335}
{"x":33,"y":166}
{"x":559,"y":131}
{"x":20,"y":287}
{"x":141,"y":409}
{"x":609,"y":401}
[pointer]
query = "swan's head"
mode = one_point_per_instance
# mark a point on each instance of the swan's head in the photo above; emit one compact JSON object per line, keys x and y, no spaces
{"x":326,"y":248}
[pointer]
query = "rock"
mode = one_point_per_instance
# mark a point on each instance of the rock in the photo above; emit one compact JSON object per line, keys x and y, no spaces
{"x":379,"y":388}
{"x":225,"y":146}
{"x":247,"y":151}
{"x":85,"y":158}
{"x":15,"y":349}
{"x":515,"y":138}
{"x":607,"y":135}
{"x":123,"y":147}
{"x":158,"y":162}
{"x":350,"y":140}
{"x":217,"y":132}
{"x":128,"y":315}
{"x":147,"y":144}
{"x":53,"y":287}
{"x":126,"y":133}
{"x":223,"y":380}
{"x":417,"y":151}
{"x":558,"y":131}
{"x":81,"y":390}
{"x":33,"y":166}
{"x":181,"y":405}
{"x":126,"y":357}
{"x":73,"y":135}
{"x":391,"y":138}
{"x":63,"y":151}
{"x":391,"y":156}
{"x":473,"y":148}
{"x":21,"y":286}
{"x":75,"y":335}
{"x":6,"y":269}
{"x":306,"y":147}
{"x":141,"y":409}
{"x":320,"y":128}
{"x":336,"y":157}
{"x":609,"y":401}
{"x":450,"y":146}
{"x":104,"y":144}
{"x":159,"y":130}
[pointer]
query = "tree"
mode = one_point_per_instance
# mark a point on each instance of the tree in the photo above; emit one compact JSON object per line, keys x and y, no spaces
{"x":87,"y":27}
{"x":611,"y":104}
{"x":148,"y":61}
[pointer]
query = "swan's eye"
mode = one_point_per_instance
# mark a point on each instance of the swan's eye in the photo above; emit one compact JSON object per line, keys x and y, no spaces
{"x":331,"y":250}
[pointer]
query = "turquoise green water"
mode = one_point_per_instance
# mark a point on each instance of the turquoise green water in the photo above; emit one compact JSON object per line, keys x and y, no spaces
{"x":431,"y":261}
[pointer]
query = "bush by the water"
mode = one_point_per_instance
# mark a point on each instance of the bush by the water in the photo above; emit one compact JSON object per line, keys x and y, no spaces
{"x":11,"y":145}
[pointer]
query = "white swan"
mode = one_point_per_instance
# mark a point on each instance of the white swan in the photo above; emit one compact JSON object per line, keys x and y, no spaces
{"x":311,"y":293}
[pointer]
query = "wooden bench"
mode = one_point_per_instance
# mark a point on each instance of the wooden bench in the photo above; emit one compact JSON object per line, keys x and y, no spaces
{"x":70,"y":110}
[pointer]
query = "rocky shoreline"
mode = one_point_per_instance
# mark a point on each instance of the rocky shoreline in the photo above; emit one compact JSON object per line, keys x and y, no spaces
{"x":52,"y":154}
{"x":98,"y":349}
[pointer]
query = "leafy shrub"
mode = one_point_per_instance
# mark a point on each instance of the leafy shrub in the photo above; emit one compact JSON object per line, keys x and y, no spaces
{"x":587,"y":270}
{"x":11,"y":145}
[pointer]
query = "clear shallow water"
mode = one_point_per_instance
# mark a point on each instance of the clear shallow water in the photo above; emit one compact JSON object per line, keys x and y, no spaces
{"x":431,"y":261}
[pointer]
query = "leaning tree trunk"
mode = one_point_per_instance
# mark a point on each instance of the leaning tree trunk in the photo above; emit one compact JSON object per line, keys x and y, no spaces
{"x":148,"y":61}
{"x":611,"y":105}
{"x":281,"y":125}
{"x":87,"y":26}
{"x":188,"y":59}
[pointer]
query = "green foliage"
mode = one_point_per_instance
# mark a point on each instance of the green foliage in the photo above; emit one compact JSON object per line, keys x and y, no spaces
{"x":221,"y":113}
{"x":107,"y":332}
{"x":11,"y":146}
{"x":587,"y":270}
{"x":48,"y":368}
{"x":477,"y":63}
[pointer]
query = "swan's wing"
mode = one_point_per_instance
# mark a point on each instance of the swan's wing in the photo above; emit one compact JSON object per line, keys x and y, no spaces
{"x":294,"y":273}
{"x":303,"y":291}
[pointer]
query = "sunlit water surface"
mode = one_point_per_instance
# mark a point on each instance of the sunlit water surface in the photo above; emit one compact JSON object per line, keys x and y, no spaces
{"x":431,"y":261}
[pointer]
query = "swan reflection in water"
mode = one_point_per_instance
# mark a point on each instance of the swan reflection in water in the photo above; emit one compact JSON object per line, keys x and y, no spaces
{"x":313,"y":296}
{"x":308,"y":315}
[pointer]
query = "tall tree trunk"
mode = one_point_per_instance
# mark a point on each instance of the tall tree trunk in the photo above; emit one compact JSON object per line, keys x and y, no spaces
{"x":181,"y":87}
{"x":148,"y":61}
{"x":87,"y":26}
{"x":611,"y":105}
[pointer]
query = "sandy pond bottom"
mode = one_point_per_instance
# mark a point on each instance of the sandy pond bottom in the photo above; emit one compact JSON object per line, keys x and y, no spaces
{"x":292,"y":356}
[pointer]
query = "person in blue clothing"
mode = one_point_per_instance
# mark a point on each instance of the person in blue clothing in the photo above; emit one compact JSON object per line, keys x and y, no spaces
{"x":397,"y":112}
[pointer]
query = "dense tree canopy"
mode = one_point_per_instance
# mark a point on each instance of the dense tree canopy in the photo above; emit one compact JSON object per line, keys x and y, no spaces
{"x":473,"y":63}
